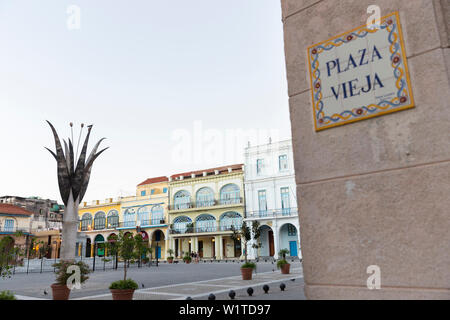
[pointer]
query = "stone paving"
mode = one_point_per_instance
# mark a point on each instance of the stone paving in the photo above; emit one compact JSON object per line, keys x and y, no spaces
{"x":169,"y":281}
{"x":221,"y":287}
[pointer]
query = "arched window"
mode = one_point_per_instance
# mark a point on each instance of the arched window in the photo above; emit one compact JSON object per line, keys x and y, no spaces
{"x":229,"y":219}
{"x":129,"y":218}
{"x":182,"y":200}
{"x":230,"y":194}
{"x":99,"y":220}
{"x":143,"y":216}
{"x":205,"y":223}
{"x":205,"y":197}
{"x":113,"y":219}
{"x":86,"y":222}
{"x":180,"y":224}
{"x":157,"y":214}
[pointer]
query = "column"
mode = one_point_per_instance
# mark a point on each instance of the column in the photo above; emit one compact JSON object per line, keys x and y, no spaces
{"x":217,"y":246}
{"x":220,"y":253}
{"x":243,"y":248}
{"x":276,"y":238}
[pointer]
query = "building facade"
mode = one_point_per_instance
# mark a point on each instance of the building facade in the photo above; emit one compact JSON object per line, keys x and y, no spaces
{"x":204,"y":206}
{"x":270,"y":197}
{"x":147,"y":214}
{"x":144,"y":213}
{"x":15,"y":222}
{"x":98,"y":221}
{"x":47,"y":214}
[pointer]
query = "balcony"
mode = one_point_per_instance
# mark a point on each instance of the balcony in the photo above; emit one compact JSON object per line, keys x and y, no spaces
{"x":278,"y":213}
{"x":13,"y":229}
{"x":204,"y":229}
{"x":206,"y":204}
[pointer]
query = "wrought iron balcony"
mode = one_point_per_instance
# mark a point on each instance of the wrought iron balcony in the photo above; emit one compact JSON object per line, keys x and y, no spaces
{"x":278,"y":213}
{"x":203,"y":229}
{"x":206,"y":203}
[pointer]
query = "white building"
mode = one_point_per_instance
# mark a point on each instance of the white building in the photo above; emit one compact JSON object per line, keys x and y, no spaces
{"x":270,"y":196}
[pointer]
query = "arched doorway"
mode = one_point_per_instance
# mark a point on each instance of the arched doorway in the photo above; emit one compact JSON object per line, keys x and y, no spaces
{"x":267,"y":242}
{"x":289,"y":239}
{"x":88,"y":248}
{"x":158,"y":243}
{"x":100,"y":245}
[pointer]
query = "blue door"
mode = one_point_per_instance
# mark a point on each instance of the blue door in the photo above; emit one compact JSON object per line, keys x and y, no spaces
{"x":158,"y":252}
{"x":293,"y":248}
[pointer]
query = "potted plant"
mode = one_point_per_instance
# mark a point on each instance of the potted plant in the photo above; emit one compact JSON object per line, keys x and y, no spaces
{"x":7,"y":295}
{"x":187,"y":258}
{"x":170,"y":257}
{"x":124,"y":289}
{"x":60,"y":288}
{"x":245,"y":233}
{"x":282,"y":263}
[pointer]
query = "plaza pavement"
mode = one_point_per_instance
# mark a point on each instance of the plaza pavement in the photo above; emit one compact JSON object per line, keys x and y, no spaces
{"x":172,"y":281}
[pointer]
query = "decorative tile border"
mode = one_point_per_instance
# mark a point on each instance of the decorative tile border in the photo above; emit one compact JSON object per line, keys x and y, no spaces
{"x":403,"y":98}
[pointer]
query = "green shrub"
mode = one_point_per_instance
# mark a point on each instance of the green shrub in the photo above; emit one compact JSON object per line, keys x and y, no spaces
{"x":7,"y":295}
{"x":281,"y":263}
{"x":124,"y":285}
{"x":249,"y":265}
{"x":61,"y":271}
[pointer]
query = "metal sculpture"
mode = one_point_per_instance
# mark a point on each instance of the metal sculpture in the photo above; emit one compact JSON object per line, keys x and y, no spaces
{"x":73,"y":180}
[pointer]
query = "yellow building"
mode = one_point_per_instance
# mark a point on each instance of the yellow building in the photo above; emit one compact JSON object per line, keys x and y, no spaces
{"x":147,"y":214}
{"x":98,"y":221}
{"x":204,"y":205}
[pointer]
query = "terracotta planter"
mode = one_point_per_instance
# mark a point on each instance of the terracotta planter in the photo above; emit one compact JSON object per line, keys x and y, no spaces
{"x":169,"y":260}
{"x":60,"y":291}
{"x":122,"y":294}
{"x":285,"y":268}
{"x":187,"y":261}
{"x":246,"y":273}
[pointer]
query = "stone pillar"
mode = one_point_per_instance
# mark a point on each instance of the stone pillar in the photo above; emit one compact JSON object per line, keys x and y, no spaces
{"x":220,"y":253}
{"x":217,"y":246}
{"x":373,"y":192}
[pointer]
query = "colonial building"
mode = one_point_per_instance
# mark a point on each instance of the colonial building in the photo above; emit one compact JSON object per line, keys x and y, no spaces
{"x":270,"y":197}
{"x":15,"y":222}
{"x":144,"y":213}
{"x":204,"y":205}
{"x":47,"y":214}
{"x":147,"y":214}
{"x":45,"y":223}
{"x":98,"y":221}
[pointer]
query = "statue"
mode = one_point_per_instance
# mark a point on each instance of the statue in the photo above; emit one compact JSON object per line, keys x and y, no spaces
{"x":73,"y":182}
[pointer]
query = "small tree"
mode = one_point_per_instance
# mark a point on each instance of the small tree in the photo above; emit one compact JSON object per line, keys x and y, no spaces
{"x":245,"y":233}
{"x":112,"y":246}
{"x":170,"y":252}
{"x":141,"y":247}
{"x":126,"y":245}
{"x":6,"y":256}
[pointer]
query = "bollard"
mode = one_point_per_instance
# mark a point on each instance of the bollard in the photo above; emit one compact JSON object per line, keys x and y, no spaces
{"x":188,"y":298}
{"x":250,"y":291}
{"x":282,"y":286}
{"x":211,"y":297}
{"x":231,"y":294}
{"x":266,"y":288}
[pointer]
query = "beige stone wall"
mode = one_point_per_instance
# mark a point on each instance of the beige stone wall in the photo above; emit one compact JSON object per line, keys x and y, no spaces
{"x":375,"y":192}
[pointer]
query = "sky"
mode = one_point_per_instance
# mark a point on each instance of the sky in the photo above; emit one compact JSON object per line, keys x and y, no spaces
{"x":173,"y":85}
